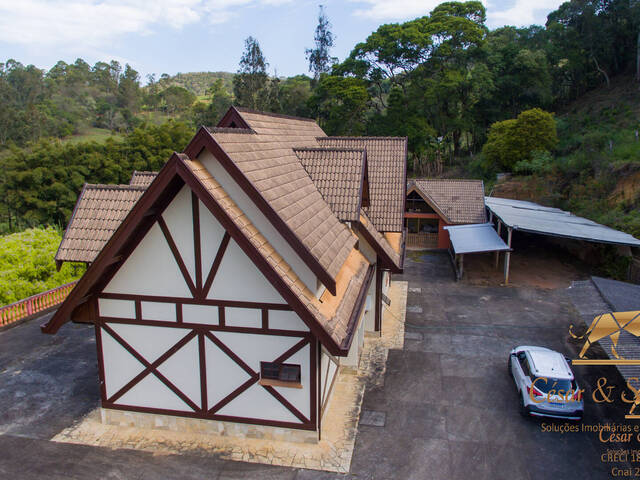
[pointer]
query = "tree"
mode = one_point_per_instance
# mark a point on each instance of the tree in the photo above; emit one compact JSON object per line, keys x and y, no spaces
{"x":319,"y":59}
{"x":294,"y":96}
{"x":515,"y":140}
{"x":341,"y":104}
{"x":175,"y":99}
{"x":129,"y":88}
{"x":219,"y":102}
{"x":250,"y":82}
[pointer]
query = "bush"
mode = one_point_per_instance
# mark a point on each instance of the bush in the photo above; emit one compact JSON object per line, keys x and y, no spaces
{"x":27,"y":266}
{"x":513,"y":141}
{"x":541,"y":162}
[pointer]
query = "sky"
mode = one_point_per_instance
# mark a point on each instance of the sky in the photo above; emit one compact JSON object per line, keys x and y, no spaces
{"x":171,"y":36}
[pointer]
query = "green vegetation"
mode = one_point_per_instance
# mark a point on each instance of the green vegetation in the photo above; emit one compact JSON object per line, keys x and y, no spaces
{"x":472,"y":102}
{"x":40,"y":185}
{"x":196,"y":82}
{"x":512,"y":143}
{"x":27,"y":266}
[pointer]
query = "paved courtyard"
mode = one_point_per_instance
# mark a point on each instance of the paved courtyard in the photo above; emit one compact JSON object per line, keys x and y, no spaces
{"x":445,"y":410}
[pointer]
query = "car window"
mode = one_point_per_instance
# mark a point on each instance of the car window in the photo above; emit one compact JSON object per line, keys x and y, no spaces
{"x":524,"y":363}
{"x":553,"y":383}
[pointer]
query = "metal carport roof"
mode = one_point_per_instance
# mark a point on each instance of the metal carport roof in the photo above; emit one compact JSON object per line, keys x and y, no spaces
{"x":475,"y":238}
{"x":534,"y":218}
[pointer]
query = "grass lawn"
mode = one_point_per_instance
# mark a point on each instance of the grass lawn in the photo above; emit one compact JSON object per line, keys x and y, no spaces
{"x":92,"y":134}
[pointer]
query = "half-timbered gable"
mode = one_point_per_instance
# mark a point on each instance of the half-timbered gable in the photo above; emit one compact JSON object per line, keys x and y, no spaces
{"x":233,"y":284}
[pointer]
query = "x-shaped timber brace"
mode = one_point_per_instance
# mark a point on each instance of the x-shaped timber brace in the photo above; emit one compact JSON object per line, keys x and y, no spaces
{"x":201,"y":412}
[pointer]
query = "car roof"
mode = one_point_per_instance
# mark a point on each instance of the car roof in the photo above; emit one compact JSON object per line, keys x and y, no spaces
{"x":547,"y":363}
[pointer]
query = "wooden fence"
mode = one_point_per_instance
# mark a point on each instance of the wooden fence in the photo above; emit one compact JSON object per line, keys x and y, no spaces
{"x":422,"y":240}
{"x":34,"y":304}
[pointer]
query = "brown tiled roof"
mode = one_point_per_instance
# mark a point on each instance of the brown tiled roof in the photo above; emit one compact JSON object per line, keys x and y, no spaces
{"x":333,"y":312}
{"x":380,"y":241}
{"x":99,"y":211}
{"x":306,"y":129}
{"x":142,"y":178}
{"x":386,"y":157}
{"x":461,"y":201}
{"x":338,"y":173}
{"x":267,"y":160}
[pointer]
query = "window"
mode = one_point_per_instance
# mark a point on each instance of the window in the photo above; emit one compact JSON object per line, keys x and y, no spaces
{"x":522,"y":357}
{"x":280,"y":374}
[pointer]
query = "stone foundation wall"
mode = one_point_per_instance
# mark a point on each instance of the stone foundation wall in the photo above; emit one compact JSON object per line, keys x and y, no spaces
{"x":210,"y":427}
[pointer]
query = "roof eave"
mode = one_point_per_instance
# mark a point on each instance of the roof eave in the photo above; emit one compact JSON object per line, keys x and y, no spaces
{"x":118,"y":241}
{"x":387,"y":261}
{"x":352,"y":326}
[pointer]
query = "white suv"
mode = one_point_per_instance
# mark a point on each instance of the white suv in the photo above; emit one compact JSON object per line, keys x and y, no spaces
{"x":545,"y":383}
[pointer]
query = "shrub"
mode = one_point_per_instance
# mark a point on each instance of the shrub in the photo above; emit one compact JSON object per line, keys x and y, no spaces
{"x":541,"y":162}
{"x":513,"y":141}
{"x":27,"y":266}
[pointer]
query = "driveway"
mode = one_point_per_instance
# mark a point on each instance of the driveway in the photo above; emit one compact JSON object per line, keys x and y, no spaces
{"x":448,"y":407}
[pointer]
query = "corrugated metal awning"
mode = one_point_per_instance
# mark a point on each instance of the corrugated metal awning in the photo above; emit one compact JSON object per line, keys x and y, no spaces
{"x":534,"y":218}
{"x":475,"y":238}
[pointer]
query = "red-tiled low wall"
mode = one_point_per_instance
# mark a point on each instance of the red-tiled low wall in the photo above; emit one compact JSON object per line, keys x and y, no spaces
{"x":34,"y":304}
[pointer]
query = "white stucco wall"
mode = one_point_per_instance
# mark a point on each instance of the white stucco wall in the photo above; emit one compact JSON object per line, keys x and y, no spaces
{"x":256,"y":402}
{"x":239,"y":279}
{"x":116,"y":308}
{"x":286,"y":320}
{"x":205,"y":314}
{"x":150,"y":270}
{"x":158,"y":311}
{"x":372,"y":257}
{"x":258,"y":219}
{"x":353,"y":358}
{"x":386,"y":282}
{"x":120,"y":366}
{"x":179,"y":219}
{"x":329,"y":369}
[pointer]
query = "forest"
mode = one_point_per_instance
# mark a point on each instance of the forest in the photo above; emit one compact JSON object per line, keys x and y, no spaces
{"x":555,"y":105}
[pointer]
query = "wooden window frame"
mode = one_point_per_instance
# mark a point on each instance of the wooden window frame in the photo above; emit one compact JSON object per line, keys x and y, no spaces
{"x":279,"y":382}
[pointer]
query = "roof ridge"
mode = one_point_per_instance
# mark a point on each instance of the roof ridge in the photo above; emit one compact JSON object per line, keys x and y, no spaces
{"x":243,"y":131}
{"x":119,"y":186}
{"x":445,"y":180}
{"x":364,"y":137}
{"x":329,"y":149}
{"x":271,"y":114}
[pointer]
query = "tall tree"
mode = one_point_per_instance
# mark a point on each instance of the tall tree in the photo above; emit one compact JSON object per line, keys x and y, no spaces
{"x":250,"y":83}
{"x":319,"y":59}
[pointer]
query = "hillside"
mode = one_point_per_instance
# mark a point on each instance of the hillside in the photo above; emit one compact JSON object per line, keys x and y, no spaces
{"x":595,"y":170}
{"x":198,"y":82}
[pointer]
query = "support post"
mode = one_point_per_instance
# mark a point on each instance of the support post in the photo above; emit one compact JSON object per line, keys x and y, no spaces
{"x":461,"y":266}
{"x":498,"y":253}
{"x":378,"y":309}
{"x":507,"y":258}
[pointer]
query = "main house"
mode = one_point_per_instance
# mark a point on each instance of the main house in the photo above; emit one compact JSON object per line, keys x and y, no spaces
{"x":233,"y":284}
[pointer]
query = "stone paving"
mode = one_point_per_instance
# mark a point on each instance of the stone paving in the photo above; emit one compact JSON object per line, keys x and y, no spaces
{"x":339,"y":426}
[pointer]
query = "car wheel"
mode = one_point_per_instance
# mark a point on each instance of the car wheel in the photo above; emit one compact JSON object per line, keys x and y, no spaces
{"x":524,"y":411}
{"x":509,"y":367}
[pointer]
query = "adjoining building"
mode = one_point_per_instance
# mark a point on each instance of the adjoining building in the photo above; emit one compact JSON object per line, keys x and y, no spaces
{"x":232,"y":285}
{"x":433,"y":204}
